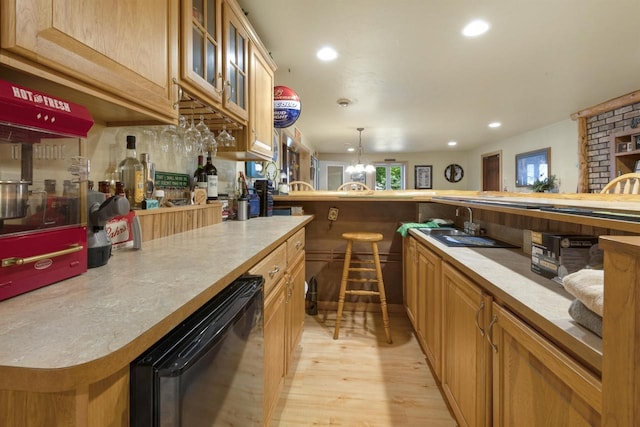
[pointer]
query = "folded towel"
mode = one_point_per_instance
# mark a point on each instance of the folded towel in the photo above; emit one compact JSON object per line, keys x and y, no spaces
{"x":585,"y":317}
{"x":404,"y":228}
{"x":588,"y":286}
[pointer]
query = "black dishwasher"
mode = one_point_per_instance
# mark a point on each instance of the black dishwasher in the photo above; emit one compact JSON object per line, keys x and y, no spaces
{"x":208,"y":370}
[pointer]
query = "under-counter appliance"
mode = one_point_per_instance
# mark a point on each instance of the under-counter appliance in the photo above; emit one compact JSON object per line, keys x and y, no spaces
{"x":43,"y":184}
{"x":208,"y":370}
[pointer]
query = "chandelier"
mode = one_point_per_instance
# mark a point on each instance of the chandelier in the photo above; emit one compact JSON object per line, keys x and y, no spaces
{"x":359,"y":166}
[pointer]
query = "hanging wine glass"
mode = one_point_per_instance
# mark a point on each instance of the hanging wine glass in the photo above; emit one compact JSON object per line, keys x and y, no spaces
{"x":168,"y":136}
{"x":203,"y":128}
{"x":224,"y":138}
{"x":191,"y":136}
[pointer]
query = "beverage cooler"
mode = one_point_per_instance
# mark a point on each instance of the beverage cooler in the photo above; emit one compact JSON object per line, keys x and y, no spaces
{"x":43,"y":187}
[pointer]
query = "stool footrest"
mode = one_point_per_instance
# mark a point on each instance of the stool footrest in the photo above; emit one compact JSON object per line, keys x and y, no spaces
{"x":357,"y":292}
{"x":362,"y":280}
{"x":361,"y":269}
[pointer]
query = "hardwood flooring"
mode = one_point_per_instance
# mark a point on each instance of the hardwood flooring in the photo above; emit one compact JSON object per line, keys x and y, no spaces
{"x":360,"y":379}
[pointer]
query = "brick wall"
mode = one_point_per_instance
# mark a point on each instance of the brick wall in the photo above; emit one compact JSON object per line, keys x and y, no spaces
{"x":599,"y":131}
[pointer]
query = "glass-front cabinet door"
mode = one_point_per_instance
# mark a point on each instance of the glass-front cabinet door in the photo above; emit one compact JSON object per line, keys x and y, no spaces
{"x":236,"y":63}
{"x":201,"y":44}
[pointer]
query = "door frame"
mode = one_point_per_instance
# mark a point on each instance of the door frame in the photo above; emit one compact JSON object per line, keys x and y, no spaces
{"x":491,"y":154}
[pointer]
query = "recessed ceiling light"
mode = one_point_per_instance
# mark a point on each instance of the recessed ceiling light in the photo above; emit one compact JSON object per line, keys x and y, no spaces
{"x":350,"y":149}
{"x":452,"y":143}
{"x":327,"y":54}
{"x":475,"y":28}
{"x":495,"y":125}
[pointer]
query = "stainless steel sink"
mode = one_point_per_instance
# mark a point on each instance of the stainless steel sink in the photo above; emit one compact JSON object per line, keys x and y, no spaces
{"x":454,"y":237}
{"x":443,"y":231}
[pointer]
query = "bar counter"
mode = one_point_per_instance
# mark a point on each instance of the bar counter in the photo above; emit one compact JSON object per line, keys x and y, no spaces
{"x":86,"y":328}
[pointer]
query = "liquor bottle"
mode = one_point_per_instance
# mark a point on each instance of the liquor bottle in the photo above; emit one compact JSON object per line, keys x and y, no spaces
{"x":148,"y":175}
{"x":212,"y":179}
{"x":131,"y":174}
{"x":200,"y":174}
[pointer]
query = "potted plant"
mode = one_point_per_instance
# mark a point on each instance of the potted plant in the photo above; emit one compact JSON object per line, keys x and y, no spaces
{"x":546,"y":185}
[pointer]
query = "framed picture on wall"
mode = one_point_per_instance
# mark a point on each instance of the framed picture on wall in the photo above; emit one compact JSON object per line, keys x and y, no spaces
{"x":532,"y":166}
{"x":423,"y":177}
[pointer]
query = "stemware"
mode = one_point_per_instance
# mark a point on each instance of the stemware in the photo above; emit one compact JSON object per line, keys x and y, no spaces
{"x":168,"y":136}
{"x":224,"y":138}
{"x":191,"y":137}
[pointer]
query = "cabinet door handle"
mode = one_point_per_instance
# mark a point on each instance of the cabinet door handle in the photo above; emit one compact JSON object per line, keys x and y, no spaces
{"x":273,"y":272}
{"x":480,"y":310}
{"x":494,"y":320}
{"x":298,"y":245}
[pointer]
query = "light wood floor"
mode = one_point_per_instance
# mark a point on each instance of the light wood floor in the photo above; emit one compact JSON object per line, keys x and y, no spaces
{"x":360,"y":379}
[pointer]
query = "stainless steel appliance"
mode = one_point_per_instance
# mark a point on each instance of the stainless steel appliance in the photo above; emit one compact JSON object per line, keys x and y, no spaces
{"x":208,"y":370}
{"x":43,"y":184}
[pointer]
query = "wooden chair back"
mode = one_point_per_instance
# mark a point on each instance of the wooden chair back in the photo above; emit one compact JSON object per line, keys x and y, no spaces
{"x":353,"y":186}
{"x":628,"y":183}
{"x":300,"y":186}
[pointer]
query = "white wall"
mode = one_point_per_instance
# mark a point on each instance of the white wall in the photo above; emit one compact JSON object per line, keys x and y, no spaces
{"x":562,"y":137}
{"x":438,"y":159}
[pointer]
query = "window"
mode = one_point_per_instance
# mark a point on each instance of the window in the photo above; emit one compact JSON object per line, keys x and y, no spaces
{"x":390,"y":176}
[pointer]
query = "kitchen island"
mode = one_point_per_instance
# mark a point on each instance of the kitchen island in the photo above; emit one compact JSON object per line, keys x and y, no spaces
{"x":65,"y":349}
{"x":514,"y":322}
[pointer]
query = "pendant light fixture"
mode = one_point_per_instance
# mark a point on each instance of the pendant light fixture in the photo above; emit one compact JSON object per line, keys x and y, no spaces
{"x":359,"y":166}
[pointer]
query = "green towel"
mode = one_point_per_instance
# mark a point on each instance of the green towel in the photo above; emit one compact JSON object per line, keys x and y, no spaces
{"x":404,"y":228}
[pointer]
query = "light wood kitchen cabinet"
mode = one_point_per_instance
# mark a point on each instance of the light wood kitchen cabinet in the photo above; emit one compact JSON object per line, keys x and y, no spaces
{"x":465,"y":365}
{"x":117,"y":52}
{"x":534,"y":382}
{"x":295,"y":309}
{"x":235,"y":61}
{"x":284,"y":273}
{"x":261,"y":71}
{"x":201,"y":49}
{"x":410,"y":279}
{"x":256,"y":141}
{"x":274,"y":346}
{"x":429,"y":314}
{"x":214,"y":45}
{"x":423,"y":298}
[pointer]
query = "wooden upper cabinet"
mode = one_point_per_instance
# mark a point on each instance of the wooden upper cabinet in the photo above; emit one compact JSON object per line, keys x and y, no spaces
{"x":118,"y":52}
{"x":260,"y":135}
{"x":235,"y":61}
{"x":201,"y":48}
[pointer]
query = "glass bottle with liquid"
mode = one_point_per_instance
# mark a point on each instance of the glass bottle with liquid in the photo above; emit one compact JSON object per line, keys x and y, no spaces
{"x":132,"y":174}
{"x":212,"y":179}
{"x":200,"y":174}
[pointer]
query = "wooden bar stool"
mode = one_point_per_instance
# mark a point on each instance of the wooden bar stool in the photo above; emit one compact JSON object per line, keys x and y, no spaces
{"x":373,"y":238}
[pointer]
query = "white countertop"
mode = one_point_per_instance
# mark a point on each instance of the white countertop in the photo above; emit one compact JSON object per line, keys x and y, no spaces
{"x":133,"y":300}
{"x":506,"y":274}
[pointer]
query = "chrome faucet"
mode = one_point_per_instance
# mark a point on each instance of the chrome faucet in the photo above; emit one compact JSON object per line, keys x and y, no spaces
{"x":469,"y":226}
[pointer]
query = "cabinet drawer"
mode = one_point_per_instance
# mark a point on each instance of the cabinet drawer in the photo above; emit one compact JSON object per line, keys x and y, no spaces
{"x":272,"y":268}
{"x":295,"y":245}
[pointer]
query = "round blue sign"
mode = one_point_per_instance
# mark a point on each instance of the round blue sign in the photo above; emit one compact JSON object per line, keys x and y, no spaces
{"x":286,"y":107}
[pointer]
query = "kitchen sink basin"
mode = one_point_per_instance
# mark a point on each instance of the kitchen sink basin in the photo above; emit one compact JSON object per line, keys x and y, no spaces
{"x":454,"y":237}
{"x":443,"y":231}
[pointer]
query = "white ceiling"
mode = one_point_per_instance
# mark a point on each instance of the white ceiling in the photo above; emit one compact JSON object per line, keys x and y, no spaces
{"x":416,"y":83}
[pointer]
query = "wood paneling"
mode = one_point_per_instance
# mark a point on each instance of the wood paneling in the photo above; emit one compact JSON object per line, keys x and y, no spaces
{"x":162,"y":222}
